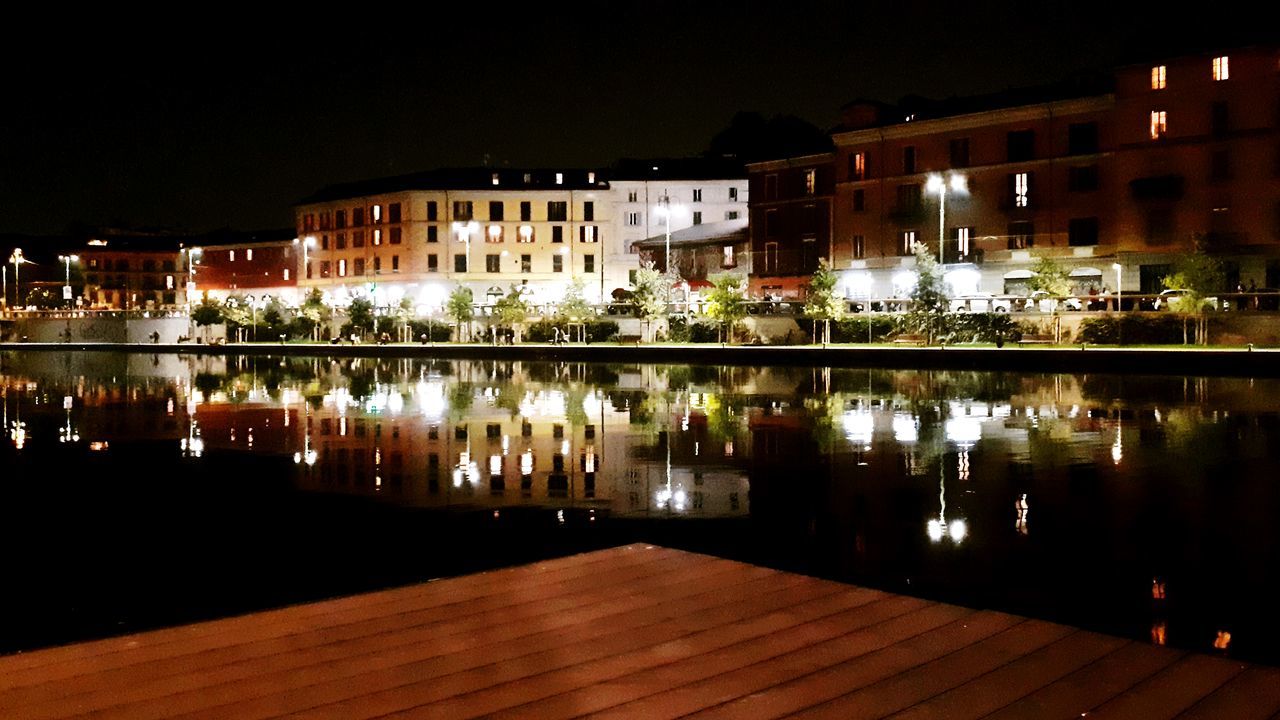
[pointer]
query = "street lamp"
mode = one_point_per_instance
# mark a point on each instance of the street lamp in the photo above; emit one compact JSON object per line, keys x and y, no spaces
{"x":307,"y":242}
{"x":18,"y":260}
{"x":1119,"y":284}
{"x":66,"y":289}
{"x":954,"y":183}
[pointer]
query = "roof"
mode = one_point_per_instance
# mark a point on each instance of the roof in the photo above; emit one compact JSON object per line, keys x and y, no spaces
{"x":688,"y":168}
{"x":474,"y":178}
{"x":717,"y":233}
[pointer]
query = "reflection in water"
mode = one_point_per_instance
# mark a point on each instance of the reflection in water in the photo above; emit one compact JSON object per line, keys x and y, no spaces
{"x":826,"y":471}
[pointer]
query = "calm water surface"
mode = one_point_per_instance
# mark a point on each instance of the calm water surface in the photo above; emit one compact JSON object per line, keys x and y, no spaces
{"x":143,"y":490}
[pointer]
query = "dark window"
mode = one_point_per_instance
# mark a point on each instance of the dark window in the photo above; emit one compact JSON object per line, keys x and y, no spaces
{"x":432,"y":210}
{"x":557,"y":210}
{"x":394,"y":211}
{"x":588,"y":263}
{"x":460,"y":263}
{"x":1220,"y":123}
{"x":1151,"y":278}
{"x":324,"y":268}
{"x":433,"y":263}
{"x":557,"y":263}
{"x":1220,"y":165}
{"x":771,"y":223}
{"x":526,"y":210}
{"x":357,"y":239}
{"x":588,"y":210}
{"x":526,"y":263}
{"x":359,"y":265}
{"x":557,"y":233}
{"x":909,"y":160}
{"x":340,"y":219}
{"x":492,"y":263}
{"x":697,"y":217}
{"x":324,"y":242}
{"x":395,"y":263}
{"x":495,"y":210}
{"x":357,"y":217}
{"x":1022,"y":235}
{"x":1082,"y":138}
{"x":859,"y":201}
{"x":909,"y":198}
{"x":433,"y":234}
{"x":395,"y":236}
{"x":1021,"y":145}
{"x":377,"y":265}
{"x":859,"y":247}
{"x":462,"y":210}
{"x":1082,"y":179}
{"x":1082,"y":231}
{"x":770,"y":187}
{"x":960,"y":152}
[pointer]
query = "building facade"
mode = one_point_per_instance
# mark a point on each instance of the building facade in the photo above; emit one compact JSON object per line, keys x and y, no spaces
{"x":790,"y":222}
{"x":255,"y":266}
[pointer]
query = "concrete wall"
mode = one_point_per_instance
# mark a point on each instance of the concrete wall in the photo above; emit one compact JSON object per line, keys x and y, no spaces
{"x":111,"y":330}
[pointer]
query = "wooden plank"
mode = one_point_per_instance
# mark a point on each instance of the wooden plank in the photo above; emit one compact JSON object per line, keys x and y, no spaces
{"x":1172,"y":690}
{"x":1252,"y":695}
{"x":924,"y":681}
{"x":1092,"y":685}
{"x":987,"y":693}
{"x":806,"y":689}
{"x":272,"y":666}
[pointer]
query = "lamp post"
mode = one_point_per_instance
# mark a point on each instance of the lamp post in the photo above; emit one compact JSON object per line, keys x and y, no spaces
{"x":306,"y":242}
{"x":954,"y":183}
{"x":665,"y":210}
{"x":66,"y":289}
{"x":1119,"y":301}
{"x":18,"y":260}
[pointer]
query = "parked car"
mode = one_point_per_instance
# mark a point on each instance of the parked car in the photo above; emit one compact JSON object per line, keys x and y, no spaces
{"x":1165,"y":299}
{"x":981,"y":302}
{"x":1046,"y":303}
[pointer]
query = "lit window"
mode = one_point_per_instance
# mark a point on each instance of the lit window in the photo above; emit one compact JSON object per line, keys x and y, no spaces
{"x":963,"y":237}
{"x":559,"y":178}
{"x":1021,"y":190}
{"x":168,"y":282}
{"x":591,"y":178}
{"x":377,"y":238}
{"x":728,"y":256}
{"x":810,"y":182}
{"x":1158,"y":77}
{"x":526,"y":233}
{"x":588,"y":233}
{"x":377,"y":213}
{"x":858,"y":169}
{"x":859,"y":246}
{"x":342,"y":268}
{"x":495,"y":178}
{"x":495,"y":234}
{"x":1159,"y":124}
{"x":231,"y":255}
{"x":908,"y":242}
{"x":248,"y":254}
{"x":1220,"y":69}
{"x":286,"y":274}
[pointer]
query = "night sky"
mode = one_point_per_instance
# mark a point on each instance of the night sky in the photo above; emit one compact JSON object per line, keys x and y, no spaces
{"x":227,"y":121}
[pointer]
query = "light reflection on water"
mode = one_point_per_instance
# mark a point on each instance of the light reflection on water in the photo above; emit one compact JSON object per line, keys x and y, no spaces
{"x":1060,"y":496}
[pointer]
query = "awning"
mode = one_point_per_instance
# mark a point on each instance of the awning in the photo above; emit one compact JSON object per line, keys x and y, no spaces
{"x":1019,"y":275}
{"x":1086,"y":272}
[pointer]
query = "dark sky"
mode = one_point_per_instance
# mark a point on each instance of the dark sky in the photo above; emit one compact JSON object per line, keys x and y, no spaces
{"x":202,"y":122}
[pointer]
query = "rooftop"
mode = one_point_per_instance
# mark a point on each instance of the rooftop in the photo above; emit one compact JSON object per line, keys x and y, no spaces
{"x":474,"y":178}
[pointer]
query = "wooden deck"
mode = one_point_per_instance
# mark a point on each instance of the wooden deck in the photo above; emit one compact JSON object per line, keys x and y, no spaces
{"x":635,"y":632}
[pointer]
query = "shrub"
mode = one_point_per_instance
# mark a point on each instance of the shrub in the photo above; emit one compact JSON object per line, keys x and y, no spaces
{"x":437,"y":331}
{"x":853,"y":329}
{"x":544,"y":330}
{"x":704,"y":333}
{"x":977,"y":327}
{"x":1133,"y":329}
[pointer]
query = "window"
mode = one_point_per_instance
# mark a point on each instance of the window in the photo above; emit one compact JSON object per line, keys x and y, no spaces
{"x":462,"y":210}
{"x":697,"y":217}
{"x":493,"y":179}
{"x":395,"y":263}
{"x":632,"y":195}
{"x":359,"y":267}
{"x":324,"y":242}
{"x":526,"y":211}
{"x":859,"y":200}
{"x":559,"y":178}
{"x":494,"y":235}
{"x":959,"y":152}
{"x":557,"y":211}
{"x":495,"y":210}
{"x":339,"y":219}
{"x":858,"y":166}
{"x":730,"y":214}
{"x":1021,"y":185}
{"x":557,"y":233}
{"x":859,"y":247}
{"x":1219,"y":124}
{"x":1082,"y":179}
{"x":248,"y":254}
{"x":1220,"y":69}
{"x":460,"y":262}
{"x":433,"y":263}
{"x":771,"y":257}
{"x":231,"y":256}
{"x":1082,"y":138}
{"x":810,"y":182}
{"x":375,"y":213}
{"x":770,"y":187}
{"x":588,"y":233}
{"x":377,"y":237}
{"x":1082,"y":232}
{"x":963,"y":237}
{"x":588,"y":263}
{"x":525,"y":234}
{"x":909,"y":160}
{"x":357,"y":217}
{"x":729,"y":260}
{"x":697,"y":194}
{"x":341,"y":241}
{"x":526,"y":263}
{"x":492,"y":263}
{"x":393,"y":210}
{"x":1021,"y":235}
{"x":433,"y":234}
{"x":395,"y":236}
{"x":342,"y":268}
{"x":906,"y":242}
{"x":1158,"y":78}
{"x":910,"y":198}
{"x":588,"y":211}
{"x":432,"y":211}
{"x":733,"y":194}
{"x":1021,"y":145}
{"x":633,"y":218}
{"x":324,"y":268}
{"x":1159,"y":124}
{"x":771,"y":223}
{"x":557,"y":263}
{"x":168,"y":279}
{"x":357,"y":238}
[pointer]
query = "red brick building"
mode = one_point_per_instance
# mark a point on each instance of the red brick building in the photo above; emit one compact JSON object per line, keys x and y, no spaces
{"x":259,"y":263}
{"x":791,"y":221}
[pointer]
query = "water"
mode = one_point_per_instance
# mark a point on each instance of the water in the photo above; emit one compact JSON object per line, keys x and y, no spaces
{"x":145,"y":490}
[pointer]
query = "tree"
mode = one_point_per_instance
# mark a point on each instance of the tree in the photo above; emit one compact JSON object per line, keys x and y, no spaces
{"x":403,"y":312}
{"x":359,"y":316}
{"x":511,"y":309}
{"x":1053,"y":279}
{"x":650,"y":296}
{"x":314,"y":312}
{"x":929,"y":302}
{"x":823,"y":303}
{"x":207,"y":313}
{"x":237,"y":314}
{"x":726,"y":303}
{"x":1196,"y":274}
{"x":460,"y":307}
{"x":574,"y":306}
